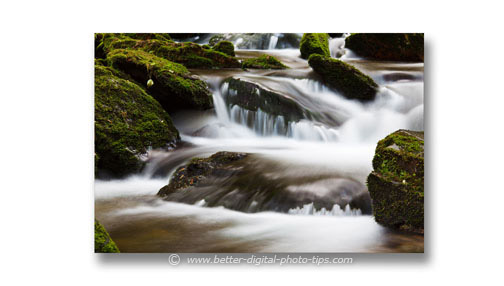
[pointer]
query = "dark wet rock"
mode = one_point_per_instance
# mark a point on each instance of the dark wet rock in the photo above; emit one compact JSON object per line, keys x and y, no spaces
{"x":128,"y":121}
{"x":335,"y":35}
{"x":389,"y":47}
{"x":103,"y":243}
{"x":240,"y":181}
{"x":397,"y":76}
{"x":314,"y":43}
{"x":173,"y":85}
{"x":347,"y":79}
{"x":252,"y":96}
{"x":397,"y":183}
{"x":263,"y":62}
{"x":225,"y":47}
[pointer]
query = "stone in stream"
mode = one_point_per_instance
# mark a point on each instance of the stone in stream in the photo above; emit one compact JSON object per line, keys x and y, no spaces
{"x":103,"y":243}
{"x":128,"y":121}
{"x":176,"y":88}
{"x":388,"y":47}
{"x":397,"y":183}
{"x":225,"y":47}
{"x":189,"y":54}
{"x":263,"y":62}
{"x":347,"y":79}
{"x":314,"y":43}
{"x":251,"y":96}
{"x":250,"y":183}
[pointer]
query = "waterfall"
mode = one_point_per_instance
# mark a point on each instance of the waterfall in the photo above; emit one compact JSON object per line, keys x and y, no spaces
{"x":273,"y":42}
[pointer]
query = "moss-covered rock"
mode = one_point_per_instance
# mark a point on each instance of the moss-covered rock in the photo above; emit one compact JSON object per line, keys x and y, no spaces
{"x":397,"y":183}
{"x":191,"y":55}
{"x":263,"y":62}
{"x":173,"y":85}
{"x":389,"y":47}
{"x":103,"y":243}
{"x":225,"y":47}
{"x":252,"y":96}
{"x":128,"y":121}
{"x":149,"y":36}
{"x":314,"y":43}
{"x":347,"y":79}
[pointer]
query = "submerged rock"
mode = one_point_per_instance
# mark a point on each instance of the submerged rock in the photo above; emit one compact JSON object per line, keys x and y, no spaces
{"x":389,"y":47}
{"x":176,"y":88}
{"x":263,"y":62}
{"x":103,"y":243}
{"x":128,"y":121}
{"x":252,"y":96}
{"x":225,"y":47}
{"x":347,"y":79}
{"x":397,"y":183}
{"x":314,"y":43}
{"x":248,"y":183}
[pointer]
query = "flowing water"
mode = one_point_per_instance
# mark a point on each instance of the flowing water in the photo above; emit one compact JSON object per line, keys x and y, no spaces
{"x":316,"y":167}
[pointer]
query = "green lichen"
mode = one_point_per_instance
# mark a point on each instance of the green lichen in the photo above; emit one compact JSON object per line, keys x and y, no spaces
{"x":103,"y":243}
{"x":314,"y":43}
{"x":128,"y":122}
{"x":225,"y":47}
{"x":397,"y":183}
{"x":347,"y":79}
{"x":263,"y":62}
{"x":390,"y":47}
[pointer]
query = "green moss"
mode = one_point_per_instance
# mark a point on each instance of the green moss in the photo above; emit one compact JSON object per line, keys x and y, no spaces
{"x":347,"y":79}
{"x":188,"y":54}
{"x":103,"y":243}
{"x":263,"y":62}
{"x":148,"y":36}
{"x":397,"y":183}
{"x":174,"y":87}
{"x":225,"y":47}
{"x":314,"y":43}
{"x":390,"y":47}
{"x":128,"y":122}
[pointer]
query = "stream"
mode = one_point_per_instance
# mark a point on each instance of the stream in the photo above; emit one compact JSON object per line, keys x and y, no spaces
{"x":322,"y":159}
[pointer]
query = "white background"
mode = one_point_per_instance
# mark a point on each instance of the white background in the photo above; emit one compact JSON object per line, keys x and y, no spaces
{"x":46,"y":145}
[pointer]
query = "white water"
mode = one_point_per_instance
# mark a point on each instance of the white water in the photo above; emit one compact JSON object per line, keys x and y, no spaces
{"x":340,"y":140}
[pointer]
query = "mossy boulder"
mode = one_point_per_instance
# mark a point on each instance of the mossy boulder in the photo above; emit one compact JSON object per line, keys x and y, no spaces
{"x":225,"y":47}
{"x":148,"y":36}
{"x":263,"y":62}
{"x":389,"y":47}
{"x":191,"y":55}
{"x":396,"y":184}
{"x":103,"y":243}
{"x":314,"y":43}
{"x":347,"y":79}
{"x":173,"y":85}
{"x":253,"y":97}
{"x":128,"y":122}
